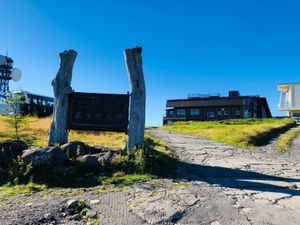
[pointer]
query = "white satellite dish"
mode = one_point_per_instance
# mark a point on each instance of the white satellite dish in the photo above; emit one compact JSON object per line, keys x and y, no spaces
{"x":16,"y":74}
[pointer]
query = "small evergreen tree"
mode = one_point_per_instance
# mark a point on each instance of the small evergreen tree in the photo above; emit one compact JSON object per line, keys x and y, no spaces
{"x":13,"y":100}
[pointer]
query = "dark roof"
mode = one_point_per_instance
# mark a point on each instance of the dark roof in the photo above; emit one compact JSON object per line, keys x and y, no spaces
{"x":210,"y":101}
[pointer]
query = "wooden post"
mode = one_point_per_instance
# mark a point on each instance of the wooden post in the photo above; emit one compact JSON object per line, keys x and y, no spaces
{"x":136,"y":127}
{"x":58,"y":133}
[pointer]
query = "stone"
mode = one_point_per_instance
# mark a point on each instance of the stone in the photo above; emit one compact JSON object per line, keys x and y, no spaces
{"x":28,"y":204}
{"x":10,"y":150}
{"x":72,"y":204}
{"x":89,"y":160}
{"x":74,"y":149}
{"x":215,"y":223}
{"x":94,"y":202}
{"x":76,"y":217}
{"x":103,"y":158}
{"x":48,"y":217}
{"x":99,"y":149}
{"x":91,"y":214}
{"x":41,"y":156}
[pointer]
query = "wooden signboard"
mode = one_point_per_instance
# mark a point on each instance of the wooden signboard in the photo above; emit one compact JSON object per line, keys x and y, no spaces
{"x":98,"y":112}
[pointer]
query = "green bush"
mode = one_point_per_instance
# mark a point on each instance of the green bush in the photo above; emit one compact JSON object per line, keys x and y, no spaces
{"x":147,"y":159}
{"x":16,"y":171}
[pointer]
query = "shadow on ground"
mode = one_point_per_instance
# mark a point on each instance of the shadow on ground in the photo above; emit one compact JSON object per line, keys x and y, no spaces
{"x":262,"y":140}
{"x":236,"y":178}
{"x":226,"y":177}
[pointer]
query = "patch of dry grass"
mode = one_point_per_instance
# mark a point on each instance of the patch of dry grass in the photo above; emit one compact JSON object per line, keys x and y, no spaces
{"x":35,"y":132}
{"x":240,"y":133}
{"x":285,"y":141}
{"x":6,"y":131}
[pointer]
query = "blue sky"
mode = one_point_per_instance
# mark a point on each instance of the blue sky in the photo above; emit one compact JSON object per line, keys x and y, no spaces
{"x":188,"y":46}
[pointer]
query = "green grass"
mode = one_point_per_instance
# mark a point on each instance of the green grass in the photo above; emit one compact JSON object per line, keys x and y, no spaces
{"x":243,"y":133}
{"x":122,"y":180}
{"x":94,"y":222}
{"x":7,"y":191}
{"x":285,"y":141}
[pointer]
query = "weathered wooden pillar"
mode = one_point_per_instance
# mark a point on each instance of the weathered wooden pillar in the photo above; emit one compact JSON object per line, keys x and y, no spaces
{"x":58,"y":133}
{"x":136,"y":127}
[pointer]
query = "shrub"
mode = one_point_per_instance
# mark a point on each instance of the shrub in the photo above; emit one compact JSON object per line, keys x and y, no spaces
{"x":147,"y":159}
{"x":16,"y":171}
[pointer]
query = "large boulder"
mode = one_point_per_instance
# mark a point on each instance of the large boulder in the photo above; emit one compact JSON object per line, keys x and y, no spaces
{"x":89,"y":160}
{"x":99,"y":149}
{"x":100,"y":159}
{"x":10,"y":150}
{"x":43,"y":156}
{"x":74,"y":149}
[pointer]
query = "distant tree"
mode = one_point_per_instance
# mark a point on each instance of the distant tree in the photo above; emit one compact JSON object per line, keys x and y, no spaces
{"x":13,"y":100}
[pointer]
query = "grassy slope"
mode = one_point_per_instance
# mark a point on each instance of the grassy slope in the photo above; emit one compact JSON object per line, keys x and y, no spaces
{"x":240,"y":133}
{"x":285,"y":141}
{"x":35,"y":131}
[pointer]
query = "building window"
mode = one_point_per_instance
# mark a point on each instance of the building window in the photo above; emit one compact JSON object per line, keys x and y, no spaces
{"x":226,"y":113}
{"x":171,"y":112}
{"x":35,"y":101}
{"x":246,"y":113}
{"x":220,"y":113}
{"x":238,"y":113}
{"x":195,"y":112}
{"x":180,"y":112}
{"x":211,"y":114}
{"x":169,"y":122}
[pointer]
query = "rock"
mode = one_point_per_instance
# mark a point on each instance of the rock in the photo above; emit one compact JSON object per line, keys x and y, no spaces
{"x":74,"y":149}
{"x":94,"y":202}
{"x":103,"y":158}
{"x":99,"y":149}
{"x":41,"y":156}
{"x":72,"y":204}
{"x":91,"y":214}
{"x":76,"y":217}
{"x":215,"y":223}
{"x":28,"y":204}
{"x":48,"y":217}
{"x":10,"y":150}
{"x":89,"y":160}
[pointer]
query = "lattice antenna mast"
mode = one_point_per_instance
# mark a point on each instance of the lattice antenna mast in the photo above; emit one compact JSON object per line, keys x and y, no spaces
{"x":6,"y":66}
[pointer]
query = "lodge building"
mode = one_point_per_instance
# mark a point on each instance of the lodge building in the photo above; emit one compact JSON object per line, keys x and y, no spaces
{"x":215,"y":107}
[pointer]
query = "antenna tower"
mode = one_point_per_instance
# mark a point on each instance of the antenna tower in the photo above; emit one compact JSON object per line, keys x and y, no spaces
{"x":6,"y":67}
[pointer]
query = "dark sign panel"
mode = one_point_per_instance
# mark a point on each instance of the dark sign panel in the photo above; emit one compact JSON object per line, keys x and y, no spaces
{"x":98,"y":112}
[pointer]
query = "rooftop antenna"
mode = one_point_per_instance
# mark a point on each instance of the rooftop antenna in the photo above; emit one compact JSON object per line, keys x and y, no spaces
{"x":7,"y":73}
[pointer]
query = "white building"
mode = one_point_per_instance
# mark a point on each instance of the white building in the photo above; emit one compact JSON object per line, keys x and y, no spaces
{"x":290,"y":99}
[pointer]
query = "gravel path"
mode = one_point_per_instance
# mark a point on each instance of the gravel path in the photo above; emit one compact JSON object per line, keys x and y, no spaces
{"x":260,"y":186}
{"x":217,"y":185}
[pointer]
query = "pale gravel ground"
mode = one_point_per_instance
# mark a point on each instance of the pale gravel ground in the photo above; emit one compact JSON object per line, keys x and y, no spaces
{"x":222,"y":185}
{"x":258,"y":183}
